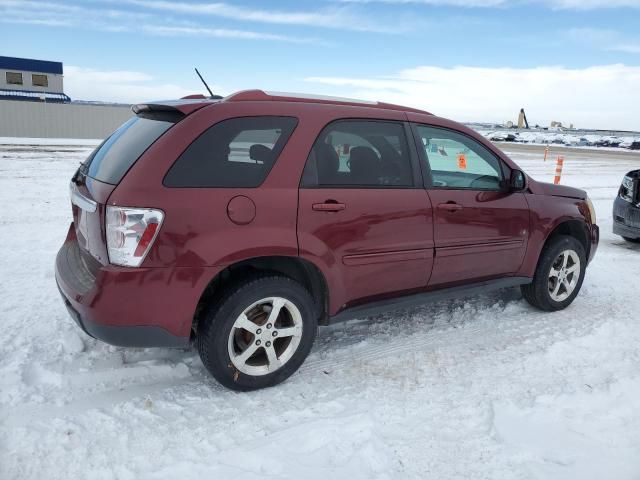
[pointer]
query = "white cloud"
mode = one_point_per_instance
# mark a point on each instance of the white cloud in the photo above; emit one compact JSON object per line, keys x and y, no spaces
{"x":118,"y":86}
{"x":591,"y":4}
{"x":605,"y":39}
{"x":596,"y":97}
{"x":225,"y":33}
{"x":627,"y":47}
{"x":554,"y":4}
{"x":436,"y":3}
{"x":110,"y":20}
{"x":333,"y":17}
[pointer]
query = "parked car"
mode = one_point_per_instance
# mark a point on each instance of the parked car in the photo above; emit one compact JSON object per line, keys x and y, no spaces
{"x":626,"y":208}
{"x":242,"y":224}
{"x":502,"y":137}
{"x":631,"y":144}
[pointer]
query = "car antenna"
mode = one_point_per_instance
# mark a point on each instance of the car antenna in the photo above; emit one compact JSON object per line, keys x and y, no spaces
{"x":212,"y":96}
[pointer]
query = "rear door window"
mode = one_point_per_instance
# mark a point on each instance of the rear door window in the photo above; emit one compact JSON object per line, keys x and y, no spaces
{"x":238,"y":152}
{"x":360,"y":154}
{"x":117,"y":154}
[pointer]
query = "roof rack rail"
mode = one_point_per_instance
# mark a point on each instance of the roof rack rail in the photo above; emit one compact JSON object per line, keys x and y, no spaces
{"x":262,"y":96}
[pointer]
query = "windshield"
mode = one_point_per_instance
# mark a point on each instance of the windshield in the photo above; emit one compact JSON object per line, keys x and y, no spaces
{"x":119,"y":152}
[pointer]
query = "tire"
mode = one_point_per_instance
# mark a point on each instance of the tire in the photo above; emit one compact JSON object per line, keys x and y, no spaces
{"x":223,"y":336}
{"x":541,"y":293}
{"x":632,"y":240}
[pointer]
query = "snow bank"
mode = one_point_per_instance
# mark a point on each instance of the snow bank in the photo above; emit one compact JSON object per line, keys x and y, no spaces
{"x":569,"y":139}
{"x":49,"y":141}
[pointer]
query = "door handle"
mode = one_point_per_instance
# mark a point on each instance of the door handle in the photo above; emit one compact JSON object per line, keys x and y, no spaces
{"x":328,"y":206}
{"x":450,"y":207}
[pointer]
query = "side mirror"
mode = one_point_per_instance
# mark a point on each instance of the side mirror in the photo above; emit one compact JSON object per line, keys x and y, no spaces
{"x":518,"y":181}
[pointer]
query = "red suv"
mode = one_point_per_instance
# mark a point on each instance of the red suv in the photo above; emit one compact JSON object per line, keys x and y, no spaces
{"x":244,"y":223}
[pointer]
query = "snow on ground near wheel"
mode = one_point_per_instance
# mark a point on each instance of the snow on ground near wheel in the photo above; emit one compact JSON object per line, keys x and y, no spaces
{"x":485,"y":387}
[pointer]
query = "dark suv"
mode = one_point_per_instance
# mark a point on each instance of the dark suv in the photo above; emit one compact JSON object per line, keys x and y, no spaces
{"x":244,"y":223}
{"x":626,"y":208}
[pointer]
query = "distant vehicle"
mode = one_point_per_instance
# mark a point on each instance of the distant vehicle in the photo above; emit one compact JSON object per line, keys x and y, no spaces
{"x":241,"y":224}
{"x":583,"y":142}
{"x":608,"y":142}
{"x":626,"y":208}
{"x":502,"y":137}
{"x":631,"y":145}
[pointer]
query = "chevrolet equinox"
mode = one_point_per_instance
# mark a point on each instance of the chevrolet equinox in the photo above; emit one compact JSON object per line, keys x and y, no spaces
{"x":242,"y":224}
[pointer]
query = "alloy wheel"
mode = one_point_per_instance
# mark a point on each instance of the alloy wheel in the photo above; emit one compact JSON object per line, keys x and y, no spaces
{"x":265,"y":336}
{"x":564,"y":275}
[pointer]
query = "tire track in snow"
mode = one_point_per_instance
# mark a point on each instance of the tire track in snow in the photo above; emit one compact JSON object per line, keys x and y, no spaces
{"x":473,"y":329}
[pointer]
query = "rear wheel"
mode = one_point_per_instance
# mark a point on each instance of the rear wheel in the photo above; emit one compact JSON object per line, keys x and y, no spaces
{"x":632,"y":240}
{"x":259,"y":333}
{"x":559,"y":274}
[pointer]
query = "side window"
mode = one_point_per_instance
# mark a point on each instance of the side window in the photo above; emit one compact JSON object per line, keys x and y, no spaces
{"x":360,"y":153}
{"x":39,"y":80}
{"x":238,"y":152}
{"x":14,"y":78}
{"x":458,"y":161}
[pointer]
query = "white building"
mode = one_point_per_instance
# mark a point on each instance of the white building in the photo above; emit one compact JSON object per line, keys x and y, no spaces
{"x":31,"y":80}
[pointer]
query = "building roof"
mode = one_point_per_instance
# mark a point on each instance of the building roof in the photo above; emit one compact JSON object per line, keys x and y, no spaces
{"x":33,"y":96}
{"x":30,"y":65}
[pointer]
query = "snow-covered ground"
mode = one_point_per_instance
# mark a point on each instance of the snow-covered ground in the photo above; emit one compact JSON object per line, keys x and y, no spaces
{"x":568,"y":138}
{"x":485,"y":387}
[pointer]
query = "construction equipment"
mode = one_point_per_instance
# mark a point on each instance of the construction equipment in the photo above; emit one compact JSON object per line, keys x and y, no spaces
{"x":522,"y":119}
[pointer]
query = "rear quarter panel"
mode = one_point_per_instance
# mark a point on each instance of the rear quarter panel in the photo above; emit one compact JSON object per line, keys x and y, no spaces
{"x":197,"y":230}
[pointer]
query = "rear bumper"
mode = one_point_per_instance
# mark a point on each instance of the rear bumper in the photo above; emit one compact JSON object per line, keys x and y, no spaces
{"x":130,"y":307}
{"x":127,"y":336}
{"x":626,"y":219}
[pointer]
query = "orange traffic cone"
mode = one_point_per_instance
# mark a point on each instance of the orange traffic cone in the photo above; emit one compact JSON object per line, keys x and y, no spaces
{"x":559,"y":164}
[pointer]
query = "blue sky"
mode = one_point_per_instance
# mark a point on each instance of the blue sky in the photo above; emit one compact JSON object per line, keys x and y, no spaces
{"x":577,"y":61}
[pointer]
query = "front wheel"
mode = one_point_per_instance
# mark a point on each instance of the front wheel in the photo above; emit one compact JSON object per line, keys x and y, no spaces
{"x":259,"y":334}
{"x":559,"y":274}
{"x":632,"y":240}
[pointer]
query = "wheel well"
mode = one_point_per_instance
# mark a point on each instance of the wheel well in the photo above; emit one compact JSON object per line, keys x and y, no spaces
{"x":302,"y":271}
{"x":573,"y":228}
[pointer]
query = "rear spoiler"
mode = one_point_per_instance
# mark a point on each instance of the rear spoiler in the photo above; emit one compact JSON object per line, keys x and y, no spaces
{"x":181,"y":107}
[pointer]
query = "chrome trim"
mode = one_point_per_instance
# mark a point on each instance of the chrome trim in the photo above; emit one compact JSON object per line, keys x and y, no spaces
{"x":80,"y":200}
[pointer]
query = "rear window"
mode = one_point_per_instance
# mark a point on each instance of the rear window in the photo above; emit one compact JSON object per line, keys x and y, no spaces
{"x":238,"y":152}
{"x":117,"y":154}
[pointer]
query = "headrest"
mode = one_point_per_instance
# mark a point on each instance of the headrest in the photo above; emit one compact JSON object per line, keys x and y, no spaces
{"x":260,"y":153}
{"x":364,"y":165}
{"x":327,"y":158}
{"x":363,"y":157}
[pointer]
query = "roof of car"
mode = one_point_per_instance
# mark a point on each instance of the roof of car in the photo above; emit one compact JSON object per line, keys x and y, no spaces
{"x":260,"y":95}
{"x":191,"y":103}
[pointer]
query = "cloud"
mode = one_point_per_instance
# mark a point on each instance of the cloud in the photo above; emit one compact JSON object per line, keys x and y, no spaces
{"x":591,"y":4}
{"x":605,"y":39}
{"x":438,"y":3}
{"x":333,"y":17}
{"x":114,"y":20}
{"x":627,"y":47}
{"x":578,"y":96}
{"x":118,"y":86}
{"x":226,"y":33}
{"x":554,"y":4}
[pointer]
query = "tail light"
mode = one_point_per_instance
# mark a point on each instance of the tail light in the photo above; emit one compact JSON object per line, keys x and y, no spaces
{"x":130,"y":233}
